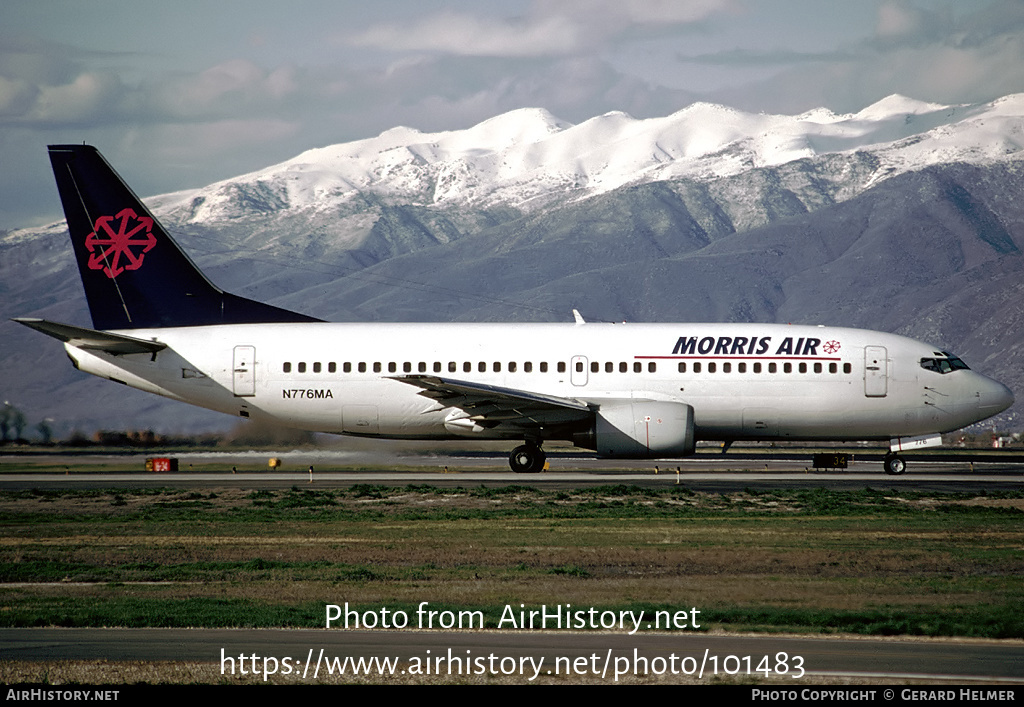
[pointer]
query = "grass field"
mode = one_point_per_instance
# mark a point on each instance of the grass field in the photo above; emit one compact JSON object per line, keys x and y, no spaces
{"x":869,"y":562}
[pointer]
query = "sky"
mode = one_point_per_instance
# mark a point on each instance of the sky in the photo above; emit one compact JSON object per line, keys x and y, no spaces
{"x":179,"y":95}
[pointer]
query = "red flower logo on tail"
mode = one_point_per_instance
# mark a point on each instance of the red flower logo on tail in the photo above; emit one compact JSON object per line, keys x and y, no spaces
{"x":121,"y":245}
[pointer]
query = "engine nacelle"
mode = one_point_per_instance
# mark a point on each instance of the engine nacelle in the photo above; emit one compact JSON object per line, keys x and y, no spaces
{"x":638,"y":429}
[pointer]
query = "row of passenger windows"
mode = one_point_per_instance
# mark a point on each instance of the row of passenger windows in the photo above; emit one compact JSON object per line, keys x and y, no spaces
{"x":421,"y":367}
{"x":527,"y":367}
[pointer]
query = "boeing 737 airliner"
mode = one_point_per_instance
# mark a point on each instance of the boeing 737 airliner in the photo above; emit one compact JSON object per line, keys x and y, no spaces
{"x":622,"y":390}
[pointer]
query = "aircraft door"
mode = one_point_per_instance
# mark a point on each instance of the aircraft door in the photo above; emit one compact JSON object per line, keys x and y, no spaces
{"x":244,"y":371}
{"x":876,"y":372}
{"x":578,"y":370}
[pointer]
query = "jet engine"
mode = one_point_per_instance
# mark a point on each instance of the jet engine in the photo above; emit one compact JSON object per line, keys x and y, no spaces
{"x":636,"y":429}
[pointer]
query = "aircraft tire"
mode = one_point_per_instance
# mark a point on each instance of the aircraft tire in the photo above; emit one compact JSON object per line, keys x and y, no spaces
{"x":894,"y":465}
{"x":526,"y":459}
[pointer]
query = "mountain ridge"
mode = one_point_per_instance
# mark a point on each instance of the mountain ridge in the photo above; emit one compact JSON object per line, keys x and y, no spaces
{"x":536,"y":154}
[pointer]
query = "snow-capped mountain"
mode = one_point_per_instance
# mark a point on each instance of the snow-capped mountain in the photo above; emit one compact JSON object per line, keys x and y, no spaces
{"x":527,"y":158}
{"x":905,"y":216}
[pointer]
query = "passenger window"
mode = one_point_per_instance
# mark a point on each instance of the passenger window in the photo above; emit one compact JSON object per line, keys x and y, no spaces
{"x":803,"y":368}
{"x":847,"y":368}
{"x":362,"y":367}
{"x":406,"y":367}
{"x":527,"y":367}
{"x":392,"y":367}
{"x":772,"y":368}
{"x":623,"y":367}
{"x":787,"y":367}
{"x":757,"y":367}
{"x":817,"y":368}
{"x":512,"y":367}
{"x":561,"y":366}
{"x":609,"y":367}
{"x":288,"y":367}
{"x":346,"y":367}
{"x":452,"y":367}
{"x":638,"y":367}
{"x":376,"y":366}
{"x":682,"y":366}
{"x":482,"y":367}
{"x":833,"y":368}
{"x":316,"y":367}
{"x":422,"y":367}
{"x":497,"y":366}
{"x":712,"y":367}
{"x":726,"y":368}
{"x":595,"y":367}
{"x":742,"y":367}
{"x":543,"y":366}
{"x":579,"y":366}
{"x":652,"y":367}
{"x":437,"y":366}
{"x":696,"y":367}
{"x":467,"y":367}
{"x":332,"y":367}
{"x":302,"y":367}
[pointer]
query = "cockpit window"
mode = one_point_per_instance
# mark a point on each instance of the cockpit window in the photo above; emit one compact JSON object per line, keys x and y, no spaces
{"x":943,"y":365}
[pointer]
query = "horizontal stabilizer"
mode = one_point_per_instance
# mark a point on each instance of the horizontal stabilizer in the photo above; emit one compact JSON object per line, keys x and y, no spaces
{"x":91,"y":339}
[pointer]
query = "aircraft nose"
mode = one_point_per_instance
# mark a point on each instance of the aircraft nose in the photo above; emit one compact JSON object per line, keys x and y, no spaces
{"x":994,"y":397}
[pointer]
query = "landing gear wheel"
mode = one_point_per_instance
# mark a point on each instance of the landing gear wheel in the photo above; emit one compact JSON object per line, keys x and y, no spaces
{"x":894,"y":464}
{"x":526,"y":459}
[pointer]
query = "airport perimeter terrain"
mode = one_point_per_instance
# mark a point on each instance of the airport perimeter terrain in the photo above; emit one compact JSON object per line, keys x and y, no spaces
{"x":874,"y":561}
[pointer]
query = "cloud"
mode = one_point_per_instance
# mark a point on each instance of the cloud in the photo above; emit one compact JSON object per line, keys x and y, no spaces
{"x":87,"y":98}
{"x":549,"y":28}
{"x":46,"y":84}
{"x":900,"y":22}
{"x":182,"y":142}
{"x":468,"y":35}
{"x":744,"y":58}
{"x":225,"y":89}
{"x":930,"y":55}
{"x":951,"y":74}
{"x":16,"y":97}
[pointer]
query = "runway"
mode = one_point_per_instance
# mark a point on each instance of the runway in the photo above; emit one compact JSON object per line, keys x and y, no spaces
{"x":714,"y":473}
{"x":607,"y":657}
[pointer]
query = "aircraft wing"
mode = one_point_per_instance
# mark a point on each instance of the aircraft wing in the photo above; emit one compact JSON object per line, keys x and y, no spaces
{"x":491,"y":405}
{"x":91,"y":339}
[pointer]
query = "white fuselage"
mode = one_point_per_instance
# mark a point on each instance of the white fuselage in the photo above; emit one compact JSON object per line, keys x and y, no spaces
{"x":744,"y":381}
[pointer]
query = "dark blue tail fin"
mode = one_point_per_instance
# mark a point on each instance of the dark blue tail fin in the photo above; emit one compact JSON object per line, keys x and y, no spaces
{"x":135,"y":275}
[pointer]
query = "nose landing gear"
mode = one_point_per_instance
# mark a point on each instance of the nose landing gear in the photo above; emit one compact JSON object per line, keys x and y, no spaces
{"x":894,"y":464}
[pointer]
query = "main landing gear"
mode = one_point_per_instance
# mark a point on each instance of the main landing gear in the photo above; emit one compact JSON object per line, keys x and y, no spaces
{"x":894,"y":464}
{"x":527,"y":459}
